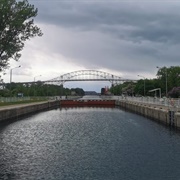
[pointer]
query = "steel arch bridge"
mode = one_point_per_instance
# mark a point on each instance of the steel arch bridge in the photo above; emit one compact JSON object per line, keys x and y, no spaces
{"x":87,"y":75}
{"x":81,"y":75}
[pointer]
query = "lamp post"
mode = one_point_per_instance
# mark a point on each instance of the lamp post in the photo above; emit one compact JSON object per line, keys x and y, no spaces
{"x":165,"y":78}
{"x":34,"y":82}
{"x":1,"y":80}
{"x":11,"y":72}
{"x":36,"y":77}
{"x":144,"y":84}
{"x":11,"y":75}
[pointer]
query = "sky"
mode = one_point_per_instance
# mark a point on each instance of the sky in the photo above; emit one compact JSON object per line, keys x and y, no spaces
{"x":124,"y":38}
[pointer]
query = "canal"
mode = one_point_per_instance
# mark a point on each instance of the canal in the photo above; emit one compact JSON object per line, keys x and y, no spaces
{"x":88,"y":144}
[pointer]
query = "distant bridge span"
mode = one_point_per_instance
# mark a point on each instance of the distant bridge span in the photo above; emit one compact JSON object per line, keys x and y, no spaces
{"x":88,"y":75}
{"x":83,"y":75}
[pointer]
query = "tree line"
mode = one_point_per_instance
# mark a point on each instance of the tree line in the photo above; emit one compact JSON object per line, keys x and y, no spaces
{"x":168,"y":79}
{"x":38,"y":89}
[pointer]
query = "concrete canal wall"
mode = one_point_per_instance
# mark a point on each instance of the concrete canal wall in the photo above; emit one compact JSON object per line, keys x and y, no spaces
{"x":158,"y":113}
{"x":163,"y":115}
{"x":13,"y":112}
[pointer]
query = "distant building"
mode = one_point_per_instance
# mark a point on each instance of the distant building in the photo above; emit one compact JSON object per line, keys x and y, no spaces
{"x":105,"y":91}
{"x":102,"y":91}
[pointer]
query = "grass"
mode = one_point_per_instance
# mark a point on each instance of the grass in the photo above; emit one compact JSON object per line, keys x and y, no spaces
{"x":21,"y":102}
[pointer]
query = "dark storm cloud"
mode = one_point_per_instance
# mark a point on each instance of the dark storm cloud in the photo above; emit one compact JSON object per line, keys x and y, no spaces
{"x":115,"y":34}
{"x":124,"y":20}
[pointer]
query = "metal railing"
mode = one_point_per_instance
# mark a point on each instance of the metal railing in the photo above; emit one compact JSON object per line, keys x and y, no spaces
{"x":13,"y":99}
{"x":27,"y":98}
{"x":168,"y":102}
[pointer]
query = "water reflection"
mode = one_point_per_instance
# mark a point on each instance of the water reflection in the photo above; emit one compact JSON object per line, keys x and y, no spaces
{"x":88,"y":143}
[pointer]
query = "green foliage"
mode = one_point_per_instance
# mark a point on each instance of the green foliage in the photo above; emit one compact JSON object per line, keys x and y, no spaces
{"x":16,"y":26}
{"x":172,"y":75}
{"x":124,"y":88}
{"x":22,"y":102}
{"x":78,"y":91}
{"x":150,"y":84}
{"x":38,"y":89}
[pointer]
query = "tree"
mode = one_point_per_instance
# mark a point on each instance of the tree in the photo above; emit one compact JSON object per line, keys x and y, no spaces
{"x":175,"y":92}
{"x":78,"y":91}
{"x":171,"y":75}
{"x":16,"y":26}
{"x":124,"y":88}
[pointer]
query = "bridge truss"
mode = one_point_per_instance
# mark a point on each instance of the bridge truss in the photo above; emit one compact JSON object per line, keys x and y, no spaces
{"x":87,"y":75}
{"x":81,"y":75}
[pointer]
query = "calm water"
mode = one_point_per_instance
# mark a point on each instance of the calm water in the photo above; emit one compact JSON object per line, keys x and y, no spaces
{"x":88,"y":144}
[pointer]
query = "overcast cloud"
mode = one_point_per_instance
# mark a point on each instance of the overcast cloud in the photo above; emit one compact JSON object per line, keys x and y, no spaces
{"x":124,"y":38}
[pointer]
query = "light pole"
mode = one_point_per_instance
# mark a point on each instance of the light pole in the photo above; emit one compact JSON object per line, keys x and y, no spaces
{"x":11,"y":74}
{"x":165,"y":78}
{"x":1,"y":80}
{"x":36,"y":77}
{"x":34,"y":82}
{"x":144,"y":84}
